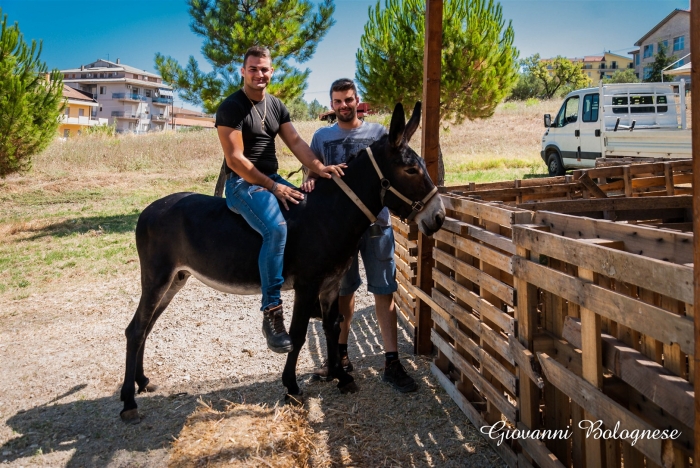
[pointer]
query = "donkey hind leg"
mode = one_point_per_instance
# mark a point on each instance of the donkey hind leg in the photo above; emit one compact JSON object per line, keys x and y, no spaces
{"x":178,"y":283}
{"x":152,"y":293}
{"x":305,"y":303}
{"x":331,"y":328}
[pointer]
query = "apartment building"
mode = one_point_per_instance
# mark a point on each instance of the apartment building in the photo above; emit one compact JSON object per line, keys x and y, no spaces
{"x":597,"y":67}
{"x":133,"y":100}
{"x":673,"y":33}
{"x":80,"y":112}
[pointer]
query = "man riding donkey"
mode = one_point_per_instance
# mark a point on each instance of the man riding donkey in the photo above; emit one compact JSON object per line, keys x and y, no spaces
{"x":334,"y":145}
{"x":247,"y":123}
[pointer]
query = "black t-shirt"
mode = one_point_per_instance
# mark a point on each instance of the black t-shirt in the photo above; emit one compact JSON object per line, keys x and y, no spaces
{"x":258,"y":145}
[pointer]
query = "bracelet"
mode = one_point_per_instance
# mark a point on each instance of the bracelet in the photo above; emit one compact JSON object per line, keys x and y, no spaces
{"x":274,"y":187}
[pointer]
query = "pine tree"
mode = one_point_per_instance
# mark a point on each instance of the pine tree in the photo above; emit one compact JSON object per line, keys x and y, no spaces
{"x":30,"y":100}
{"x":661,"y":62}
{"x":479,"y":61}
{"x":289,"y":28}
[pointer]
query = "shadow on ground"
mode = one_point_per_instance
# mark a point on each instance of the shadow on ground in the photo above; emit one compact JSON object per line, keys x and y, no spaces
{"x":107,"y":224}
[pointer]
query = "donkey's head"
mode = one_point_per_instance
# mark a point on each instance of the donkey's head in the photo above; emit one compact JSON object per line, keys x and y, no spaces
{"x":407,"y":189}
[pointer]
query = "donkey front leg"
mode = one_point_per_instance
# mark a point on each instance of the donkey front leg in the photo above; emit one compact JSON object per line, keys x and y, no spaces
{"x":331,"y":327}
{"x":305,"y":303}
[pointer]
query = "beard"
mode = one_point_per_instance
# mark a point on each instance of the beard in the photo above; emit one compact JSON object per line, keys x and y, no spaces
{"x":348,"y":117}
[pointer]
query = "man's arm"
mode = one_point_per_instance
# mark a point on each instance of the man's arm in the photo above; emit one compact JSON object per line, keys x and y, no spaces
{"x":304,"y":154}
{"x":232,"y":144}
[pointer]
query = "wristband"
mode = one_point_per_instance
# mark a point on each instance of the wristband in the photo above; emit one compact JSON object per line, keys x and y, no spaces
{"x":274,"y":187}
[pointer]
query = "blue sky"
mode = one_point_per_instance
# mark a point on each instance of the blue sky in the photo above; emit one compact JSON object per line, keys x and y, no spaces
{"x":77,"y":32}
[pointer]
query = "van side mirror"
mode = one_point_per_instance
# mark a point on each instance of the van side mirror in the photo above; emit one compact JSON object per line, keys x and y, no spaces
{"x":547,"y":120}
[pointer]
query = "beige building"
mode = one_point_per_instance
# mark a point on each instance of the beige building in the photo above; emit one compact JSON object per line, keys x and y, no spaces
{"x":184,"y":118}
{"x":672,"y":32}
{"x":80,"y":112}
{"x":597,"y":67}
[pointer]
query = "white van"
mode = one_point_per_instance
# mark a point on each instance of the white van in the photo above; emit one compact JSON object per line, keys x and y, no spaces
{"x":644,"y":120}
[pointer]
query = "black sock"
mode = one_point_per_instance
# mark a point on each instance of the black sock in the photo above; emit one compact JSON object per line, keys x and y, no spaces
{"x":390,"y":357}
{"x":343,"y":349}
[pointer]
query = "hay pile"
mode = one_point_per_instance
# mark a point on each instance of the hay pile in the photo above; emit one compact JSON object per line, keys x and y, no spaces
{"x":244,"y":435}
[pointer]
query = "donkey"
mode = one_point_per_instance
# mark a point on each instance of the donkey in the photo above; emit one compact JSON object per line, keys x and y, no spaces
{"x":188,"y":234}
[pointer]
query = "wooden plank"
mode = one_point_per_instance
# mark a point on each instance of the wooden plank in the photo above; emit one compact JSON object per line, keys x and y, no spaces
{"x":410,"y":231}
{"x":660,"y":181}
{"x":539,"y":451}
{"x":442,"y":304}
{"x":480,"y":251}
{"x":477,"y":352}
{"x":591,"y":186}
{"x":610,"y":204}
{"x":645,"y":318}
{"x":670,"y":392}
{"x":476,"y":276}
{"x":487,"y":237}
{"x":663,"y":277}
{"x":411,"y":246}
{"x":424,"y":281}
{"x":526,"y":361}
{"x":503,"y":450}
{"x":479,"y":304}
{"x":669,"y":246}
{"x":485,"y":186}
{"x":486,"y":211}
{"x":603,"y":408}
{"x":480,"y":383}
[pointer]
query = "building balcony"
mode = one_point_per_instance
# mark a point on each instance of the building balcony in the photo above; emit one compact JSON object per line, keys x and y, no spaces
{"x":129,"y":97}
{"x":159,"y":118}
{"x":83,"y":120}
{"x":127,"y":115}
{"x":161,"y":101}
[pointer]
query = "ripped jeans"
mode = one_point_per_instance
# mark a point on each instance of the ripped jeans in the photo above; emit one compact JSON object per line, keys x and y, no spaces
{"x":260,"y":208}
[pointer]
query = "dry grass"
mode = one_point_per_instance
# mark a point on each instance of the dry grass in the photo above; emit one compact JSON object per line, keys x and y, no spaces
{"x":244,"y":435}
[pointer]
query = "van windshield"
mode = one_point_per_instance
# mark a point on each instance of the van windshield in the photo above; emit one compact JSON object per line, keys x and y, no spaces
{"x":568,"y":112}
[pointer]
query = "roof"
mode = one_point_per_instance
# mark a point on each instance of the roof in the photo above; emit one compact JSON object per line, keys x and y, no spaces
{"x":76,"y":94}
{"x":661,"y":23}
{"x":190,"y":112}
{"x":682,"y":70}
{"x":193,"y":122}
{"x":594,"y":58}
{"x":100,"y":65}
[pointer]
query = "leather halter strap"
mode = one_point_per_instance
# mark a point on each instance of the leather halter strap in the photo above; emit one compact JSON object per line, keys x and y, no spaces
{"x":416,"y":207}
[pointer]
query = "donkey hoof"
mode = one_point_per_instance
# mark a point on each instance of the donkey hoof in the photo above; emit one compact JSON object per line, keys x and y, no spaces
{"x":350,"y":387}
{"x":149,"y":388}
{"x":294,"y":400}
{"x":131,"y":416}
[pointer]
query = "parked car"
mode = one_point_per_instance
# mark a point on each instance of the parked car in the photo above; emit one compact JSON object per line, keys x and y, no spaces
{"x":645,"y":121}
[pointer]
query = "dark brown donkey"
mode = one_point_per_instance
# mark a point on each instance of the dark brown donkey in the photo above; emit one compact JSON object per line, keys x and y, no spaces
{"x":188,"y":234}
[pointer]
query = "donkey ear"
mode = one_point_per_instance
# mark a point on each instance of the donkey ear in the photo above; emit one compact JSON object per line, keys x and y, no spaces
{"x":397,"y":126}
{"x":413,"y":123}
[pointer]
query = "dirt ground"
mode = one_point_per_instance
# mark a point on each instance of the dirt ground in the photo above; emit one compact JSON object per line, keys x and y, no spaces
{"x":61,"y":355}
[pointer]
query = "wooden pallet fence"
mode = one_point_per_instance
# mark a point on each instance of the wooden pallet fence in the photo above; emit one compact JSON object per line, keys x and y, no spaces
{"x":405,"y":256}
{"x":609,"y":307}
{"x":631,"y":180}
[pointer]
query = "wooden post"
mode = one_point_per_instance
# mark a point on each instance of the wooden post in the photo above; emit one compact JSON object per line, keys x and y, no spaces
{"x":430,"y":142}
{"x":695,"y":103}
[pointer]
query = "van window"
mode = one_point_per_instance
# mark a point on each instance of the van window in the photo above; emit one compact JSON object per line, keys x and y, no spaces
{"x":643,"y":104}
{"x":590,"y":108}
{"x":568,"y":112}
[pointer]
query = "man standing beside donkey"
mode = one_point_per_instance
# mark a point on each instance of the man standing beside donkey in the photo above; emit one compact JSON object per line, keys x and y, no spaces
{"x":334,"y":145}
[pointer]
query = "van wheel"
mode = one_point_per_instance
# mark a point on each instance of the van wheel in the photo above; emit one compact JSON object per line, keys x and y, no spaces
{"x":554,"y":165}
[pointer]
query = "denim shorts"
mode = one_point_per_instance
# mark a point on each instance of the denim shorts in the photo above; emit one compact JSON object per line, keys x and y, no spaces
{"x":380,"y":269}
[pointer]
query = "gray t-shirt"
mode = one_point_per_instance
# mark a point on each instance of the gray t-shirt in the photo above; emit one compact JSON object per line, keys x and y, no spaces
{"x":334,"y":145}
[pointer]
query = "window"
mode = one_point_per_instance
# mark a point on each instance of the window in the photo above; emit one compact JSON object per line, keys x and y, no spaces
{"x":67,"y":111}
{"x":648,"y":50}
{"x":647,"y":72}
{"x":678,"y":43}
{"x":663,"y":44}
{"x":81,"y":112}
{"x":590,"y":108}
{"x":636,"y":59}
{"x":134,"y":91}
{"x":148,"y":93}
{"x":614,"y":65}
{"x":679,"y":63}
{"x":66,"y":133}
{"x":103,"y":89}
{"x":569,"y":112}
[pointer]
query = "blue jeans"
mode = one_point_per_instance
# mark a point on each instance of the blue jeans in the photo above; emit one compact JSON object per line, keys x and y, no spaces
{"x":260,"y":208}
{"x":380,"y":268}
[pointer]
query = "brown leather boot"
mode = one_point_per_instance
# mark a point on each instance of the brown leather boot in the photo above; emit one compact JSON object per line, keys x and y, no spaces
{"x":278,"y":340}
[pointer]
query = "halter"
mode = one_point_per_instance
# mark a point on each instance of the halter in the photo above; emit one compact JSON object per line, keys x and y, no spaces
{"x":416,"y":206}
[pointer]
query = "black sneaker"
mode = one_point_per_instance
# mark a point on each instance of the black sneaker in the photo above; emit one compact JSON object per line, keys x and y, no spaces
{"x":322,"y":372}
{"x":396,"y":375}
{"x":278,"y":339}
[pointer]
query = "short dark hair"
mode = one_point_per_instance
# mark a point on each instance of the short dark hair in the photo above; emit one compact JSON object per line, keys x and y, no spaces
{"x":343,"y":84}
{"x":256,"y":51}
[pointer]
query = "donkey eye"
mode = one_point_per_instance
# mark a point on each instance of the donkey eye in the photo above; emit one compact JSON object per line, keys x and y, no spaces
{"x":412,"y":171}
